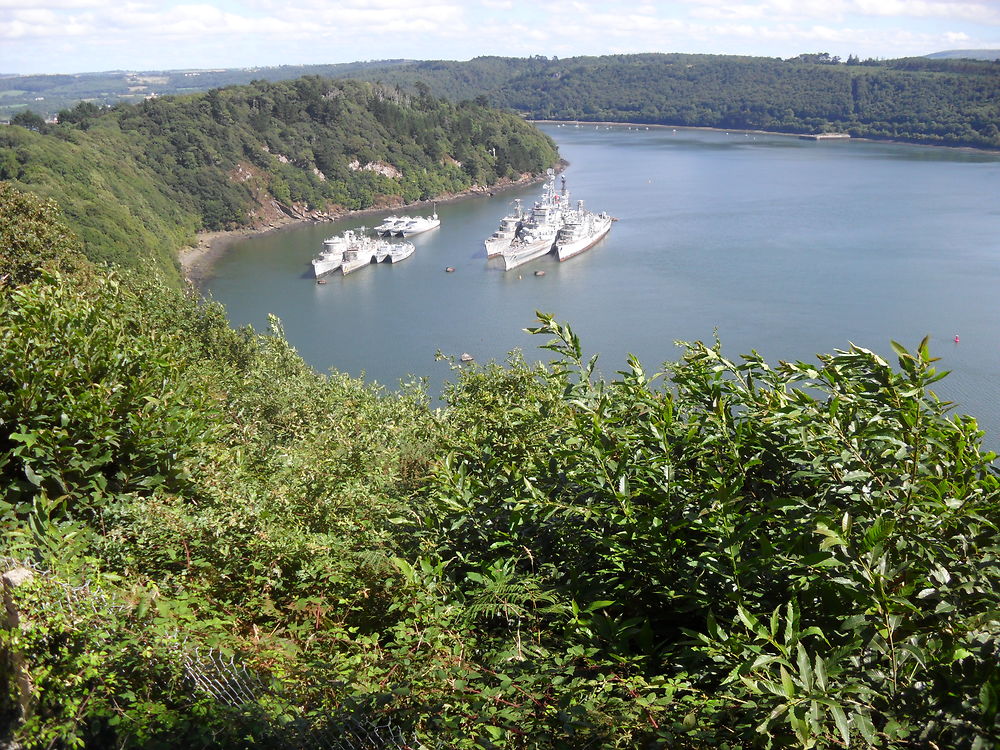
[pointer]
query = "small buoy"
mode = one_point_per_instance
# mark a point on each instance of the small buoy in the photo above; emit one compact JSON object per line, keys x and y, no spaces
{"x":466,"y":357}
{"x":450,"y":269}
{"x":539,"y":273}
{"x":956,"y":338}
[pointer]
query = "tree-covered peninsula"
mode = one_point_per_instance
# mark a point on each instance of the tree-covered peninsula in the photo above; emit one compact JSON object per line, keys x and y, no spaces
{"x":136,"y":181}
{"x":206,"y":544}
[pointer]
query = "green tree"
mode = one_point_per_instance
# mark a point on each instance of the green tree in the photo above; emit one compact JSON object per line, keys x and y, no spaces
{"x":29,"y":120}
{"x":32,"y":236}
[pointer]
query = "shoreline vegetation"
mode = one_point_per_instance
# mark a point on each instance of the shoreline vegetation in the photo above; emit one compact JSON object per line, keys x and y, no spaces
{"x":198,"y":260}
{"x":255,"y":157}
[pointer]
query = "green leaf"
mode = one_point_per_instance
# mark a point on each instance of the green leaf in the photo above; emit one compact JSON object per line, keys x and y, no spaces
{"x":28,"y":439}
{"x":820,"y":670}
{"x":805,"y":668}
{"x":864,"y":725}
{"x":747,"y":619}
{"x":787,"y":684}
{"x":840,"y":719}
{"x":32,"y":476}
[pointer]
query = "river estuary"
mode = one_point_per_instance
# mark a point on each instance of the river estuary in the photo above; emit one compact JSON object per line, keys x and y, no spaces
{"x":786,"y":246}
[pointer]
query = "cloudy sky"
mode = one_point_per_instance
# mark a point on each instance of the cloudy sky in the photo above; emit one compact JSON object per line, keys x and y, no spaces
{"x":72,"y":36}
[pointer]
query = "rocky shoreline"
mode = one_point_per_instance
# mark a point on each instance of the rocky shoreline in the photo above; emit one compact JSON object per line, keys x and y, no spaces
{"x":197,"y":260}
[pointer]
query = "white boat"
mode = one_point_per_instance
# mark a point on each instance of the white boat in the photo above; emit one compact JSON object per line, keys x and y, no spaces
{"x":389,"y":224}
{"x":407,"y":227}
{"x":330,"y":257}
{"x":530,"y":244}
{"x":349,"y":251}
{"x":500,"y":240}
{"x":581,"y":230}
{"x":538,"y":231}
{"x":399,"y":251}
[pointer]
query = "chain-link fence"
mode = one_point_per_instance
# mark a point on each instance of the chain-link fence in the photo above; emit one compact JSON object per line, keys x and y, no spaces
{"x":229,"y":680}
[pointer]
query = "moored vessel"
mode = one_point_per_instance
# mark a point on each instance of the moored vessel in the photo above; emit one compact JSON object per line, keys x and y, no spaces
{"x":350,"y":251}
{"x":397,"y":252}
{"x":330,"y":257}
{"x":581,"y":230}
{"x":529,"y":244}
{"x":537,"y":233}
{"x":500,"y":240}
{"x":409,"y":226}
{"x":389,"y":224}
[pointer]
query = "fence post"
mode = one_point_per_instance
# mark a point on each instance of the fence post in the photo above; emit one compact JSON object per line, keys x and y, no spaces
{"x":14,"y":662}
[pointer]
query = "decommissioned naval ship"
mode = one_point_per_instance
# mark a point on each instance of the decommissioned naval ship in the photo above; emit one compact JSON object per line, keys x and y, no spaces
{"x":581,"y":230}
{"x":537,"y":234}
{"x":349,"y":251}
{"x":500,"y":240}
{"x":551,"y":224}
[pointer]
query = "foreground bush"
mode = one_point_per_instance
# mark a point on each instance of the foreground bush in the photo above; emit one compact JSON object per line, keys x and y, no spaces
{"x":218,"y":547}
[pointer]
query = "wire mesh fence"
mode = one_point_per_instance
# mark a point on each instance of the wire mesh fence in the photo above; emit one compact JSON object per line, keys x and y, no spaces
{"x":230,"y":681}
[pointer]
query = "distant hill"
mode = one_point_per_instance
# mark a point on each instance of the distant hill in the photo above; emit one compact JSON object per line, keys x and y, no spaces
{"x":46,"y":95}
{"x":967,"y":54}
{"x":941,"y":101}
{"x":918,"y":100}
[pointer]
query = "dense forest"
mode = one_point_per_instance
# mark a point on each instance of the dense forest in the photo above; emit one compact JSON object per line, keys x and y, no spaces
{"x":136,"y":181}
{"x":208,"y":545}
{"x":933,"y":100}
{"x":940,"y":101}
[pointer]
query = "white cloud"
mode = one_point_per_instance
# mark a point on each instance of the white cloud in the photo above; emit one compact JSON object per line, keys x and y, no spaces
{"x":54,"y":4}
{"x":837,"y":10}
{"x":730,"y":11}
{"x":305,"y":19}
{"x":96,"y":35}
{"x":972,"y":11}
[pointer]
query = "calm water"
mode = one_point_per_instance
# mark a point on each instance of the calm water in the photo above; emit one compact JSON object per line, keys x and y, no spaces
{"x":785,"y":246}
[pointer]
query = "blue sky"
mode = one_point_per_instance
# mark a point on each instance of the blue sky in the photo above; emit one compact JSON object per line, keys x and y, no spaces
{"x":73,"y":36}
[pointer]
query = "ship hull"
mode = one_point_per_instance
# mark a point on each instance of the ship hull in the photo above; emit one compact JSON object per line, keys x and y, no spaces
{"x":419,"y":230}
{"x":496,"y":247}
{"x":397,"y":254}
{"x":568,"y":250}
{"x":515,"y":257}
{"x":324,"y":265}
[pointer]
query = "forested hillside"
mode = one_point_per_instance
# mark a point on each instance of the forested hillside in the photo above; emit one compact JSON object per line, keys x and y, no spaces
{"x":950,"y":102}
{"x":205,"y":544}
{"x":135,"y":181}
{"x":930,"y":100}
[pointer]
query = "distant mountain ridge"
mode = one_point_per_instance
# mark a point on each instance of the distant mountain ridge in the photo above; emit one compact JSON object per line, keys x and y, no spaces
{"x":966,"y":54}
{"x":47,"y":94}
